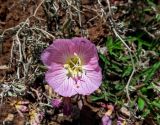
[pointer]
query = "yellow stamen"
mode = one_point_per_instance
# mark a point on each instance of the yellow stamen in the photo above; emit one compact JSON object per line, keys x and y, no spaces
{"x":74,"y":66}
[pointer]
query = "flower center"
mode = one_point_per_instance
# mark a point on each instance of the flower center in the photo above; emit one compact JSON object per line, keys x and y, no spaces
{"x":74,"y":66}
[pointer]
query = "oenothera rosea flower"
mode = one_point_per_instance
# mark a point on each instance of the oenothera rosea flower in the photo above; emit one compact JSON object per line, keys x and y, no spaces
{"x":56,"y":103}
{"x":72,"y":66}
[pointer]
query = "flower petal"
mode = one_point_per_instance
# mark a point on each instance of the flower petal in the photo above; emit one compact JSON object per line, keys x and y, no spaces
{"x":85,"y":49}
{"x":59,"y":81}
{"x":106,"y":120}
{"x":57,"y":52}
{"x":55,"y":74}
{"x":92,"y":64}
{"x":67,"y":88}
{"x":89,"y":82}
{"x":56,"y":103}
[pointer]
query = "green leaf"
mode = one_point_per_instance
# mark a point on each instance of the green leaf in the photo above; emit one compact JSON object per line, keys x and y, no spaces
{"x":144,"y":90}
{"x":141,"y":104}
{"x":119,"y":86}
{"x":116,"y":67}
{"x":113,"y":46}
{"x":156,"y":103}
{"x":158,"y":17}
{"x":96,"y":98}
{"x":150,"y":73}
{"x":127,"y":71}
{"x":104,"y":59}
{"x":146,"y":112}
{"x":109,"y":44}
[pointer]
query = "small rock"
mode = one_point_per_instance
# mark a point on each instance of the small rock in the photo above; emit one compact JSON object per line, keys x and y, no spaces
{"x":10,"y":117}
{"x":125,"y":111}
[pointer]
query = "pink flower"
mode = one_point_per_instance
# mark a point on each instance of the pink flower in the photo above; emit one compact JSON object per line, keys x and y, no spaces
{"x":121,"y":121}
{"x":56,"y":103}
{"x":72,"y":66}
{"x":106,"y":120}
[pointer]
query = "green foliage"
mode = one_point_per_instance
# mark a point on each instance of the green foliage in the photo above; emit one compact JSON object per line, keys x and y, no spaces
{"x":117,"y":68}
{"x":156,"y":103}
{"x":149,"y":73}
{"x":113,"y":46}
{"x":150,"y":2}
{"x":146,"y":112}
{"x":157,"y":17}
{"x":127,"y":71}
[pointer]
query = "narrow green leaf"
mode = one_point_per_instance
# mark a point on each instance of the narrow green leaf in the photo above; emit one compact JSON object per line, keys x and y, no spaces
{"x":127,"y":71}
{"x":150,"y":73}
{"x":156,"y":103}
{"x":146,"y":112}
{"x":96,"y":98}
{"x":104,"y":59}
{"x":141,"y":104}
